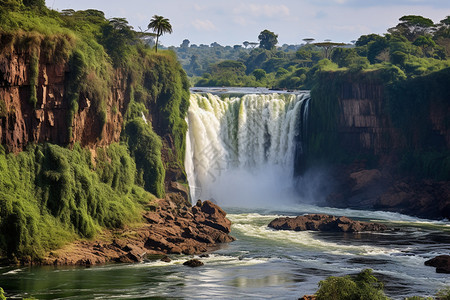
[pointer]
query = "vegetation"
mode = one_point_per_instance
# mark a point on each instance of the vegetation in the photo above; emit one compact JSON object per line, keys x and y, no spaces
{"x":416,"y":46}
{"x":362,"y":286}
{"x":160,"y":25}
{"x":52,"y":194}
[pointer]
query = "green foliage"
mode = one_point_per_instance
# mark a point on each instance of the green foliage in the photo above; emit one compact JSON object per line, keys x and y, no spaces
{"x":34,"y":72}
{"x":2,"y":294}
{"x":412,"y":26}
{"x":145,"y":147}
{"x":362,"y":286}
{"x":259,"y":74}
{"x":159,"y":25}
{"x":267,"y":39}
{"x":51,"y":194}
{"x":443,"y":294}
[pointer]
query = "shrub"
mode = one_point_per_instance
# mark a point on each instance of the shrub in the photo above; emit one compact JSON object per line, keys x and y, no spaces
{"x":362,"y":286}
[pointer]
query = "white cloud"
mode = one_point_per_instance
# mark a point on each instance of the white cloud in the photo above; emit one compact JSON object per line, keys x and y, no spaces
{"x":204,"y":25}
{"x":264,"y":10}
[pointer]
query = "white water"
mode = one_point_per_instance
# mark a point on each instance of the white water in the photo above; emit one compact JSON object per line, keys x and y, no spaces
{"x":240,"y":150}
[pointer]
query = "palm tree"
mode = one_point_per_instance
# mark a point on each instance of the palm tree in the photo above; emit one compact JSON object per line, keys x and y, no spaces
{"x":159,"y":25}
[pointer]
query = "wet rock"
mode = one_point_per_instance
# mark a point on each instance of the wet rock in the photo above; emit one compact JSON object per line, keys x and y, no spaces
{"x":441,"y":263}
{"x":323,"y":222}
{"x":166,"y":259}
{"x":193,"y":263}
{"x":170,"y":229}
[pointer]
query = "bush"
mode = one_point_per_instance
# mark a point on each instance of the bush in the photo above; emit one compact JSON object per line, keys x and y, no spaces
{"x":362,"y":286}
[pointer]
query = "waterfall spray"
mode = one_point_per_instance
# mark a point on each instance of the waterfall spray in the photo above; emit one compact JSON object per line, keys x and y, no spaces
{"x":242,"y":148}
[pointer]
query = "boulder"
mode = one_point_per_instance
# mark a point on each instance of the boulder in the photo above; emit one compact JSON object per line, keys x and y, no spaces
{"x":193,"y":263}
{"x":441,"y":263}
{"x":323,"y":222}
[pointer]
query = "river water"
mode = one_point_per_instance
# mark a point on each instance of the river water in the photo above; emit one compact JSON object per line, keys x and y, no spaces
{"x":261,"y":264}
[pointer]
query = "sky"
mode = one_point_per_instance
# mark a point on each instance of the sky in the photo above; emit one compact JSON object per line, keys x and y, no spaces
{"x":231,"y":22}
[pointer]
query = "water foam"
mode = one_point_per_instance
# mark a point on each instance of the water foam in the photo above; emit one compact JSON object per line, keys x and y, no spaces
{"x":241,"y":149}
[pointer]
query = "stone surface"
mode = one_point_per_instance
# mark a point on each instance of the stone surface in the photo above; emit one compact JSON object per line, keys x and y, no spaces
{"x":168,"y":230}
{"x":322,"y":222}
{"x":441,"y":263}
{"x":193,"y":263}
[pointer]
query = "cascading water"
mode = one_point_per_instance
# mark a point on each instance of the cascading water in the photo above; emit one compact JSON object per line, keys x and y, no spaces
{"x":242,"y":149}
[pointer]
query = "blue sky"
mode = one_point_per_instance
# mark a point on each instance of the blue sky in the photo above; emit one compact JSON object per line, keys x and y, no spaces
{"x":230,"y":22}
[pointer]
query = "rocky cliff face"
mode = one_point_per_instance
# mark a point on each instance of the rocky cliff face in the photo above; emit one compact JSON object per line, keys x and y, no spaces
{"x":374,"y":144}
{"x":21,"y":123}
{"x":363,"y":124}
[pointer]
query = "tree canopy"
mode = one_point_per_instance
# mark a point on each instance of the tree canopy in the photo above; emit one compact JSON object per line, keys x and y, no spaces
{"x":159,"y":25}
{"x":267,"y":39}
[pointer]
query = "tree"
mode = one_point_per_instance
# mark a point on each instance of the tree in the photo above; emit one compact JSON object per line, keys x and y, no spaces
{"x":328,"y":47}
{"x":246,"y":43}
{"x":267,"y":39}
{"x":412,"y":26}
{"x":308,"y":40}
{"x":159,"y":25}
{"x":185,"y":43}
{"x":259,"y":74}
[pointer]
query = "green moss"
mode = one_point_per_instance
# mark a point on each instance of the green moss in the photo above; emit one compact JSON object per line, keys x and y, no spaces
{"x":145,"y":146}
{"x":3,"y":110}
{"x":409,"y":105}
{"x":324,"y":112}
{"x":53,"y":194}
{"x":33,"y":77}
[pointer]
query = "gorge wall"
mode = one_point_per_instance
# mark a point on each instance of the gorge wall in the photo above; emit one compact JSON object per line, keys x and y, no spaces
{"x":388,"y":141}
{"x":84,"y":145}
{"x":22,"y":123}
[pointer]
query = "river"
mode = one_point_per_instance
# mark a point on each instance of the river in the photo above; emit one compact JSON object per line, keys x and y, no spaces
{"x":261,"y":264}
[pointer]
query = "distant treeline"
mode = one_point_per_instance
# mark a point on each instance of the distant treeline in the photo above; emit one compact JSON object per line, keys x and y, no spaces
{"x":415,"y":47}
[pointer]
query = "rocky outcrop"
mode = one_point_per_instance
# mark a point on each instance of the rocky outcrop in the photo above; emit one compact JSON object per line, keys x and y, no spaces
{"x":167,"y":230}
{"x":441,"y":263}
{"x":322,"y":222}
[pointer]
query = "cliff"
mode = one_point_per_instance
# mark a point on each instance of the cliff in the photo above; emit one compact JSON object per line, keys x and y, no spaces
{"x":87,"y":142}
{"x":388,"y":141}
{"x":23,"y":123}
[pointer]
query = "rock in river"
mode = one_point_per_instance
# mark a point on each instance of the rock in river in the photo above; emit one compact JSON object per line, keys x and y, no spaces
{"x":323,"y":222}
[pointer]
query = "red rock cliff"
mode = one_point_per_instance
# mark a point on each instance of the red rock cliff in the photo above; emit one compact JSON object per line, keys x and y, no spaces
{"x":21,"y":123}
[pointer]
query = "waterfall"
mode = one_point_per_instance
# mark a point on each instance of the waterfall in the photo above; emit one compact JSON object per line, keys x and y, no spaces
{"x":241,"y":148}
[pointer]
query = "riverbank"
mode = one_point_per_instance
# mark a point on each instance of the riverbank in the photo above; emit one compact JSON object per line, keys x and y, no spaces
{"x":169,"y":229}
